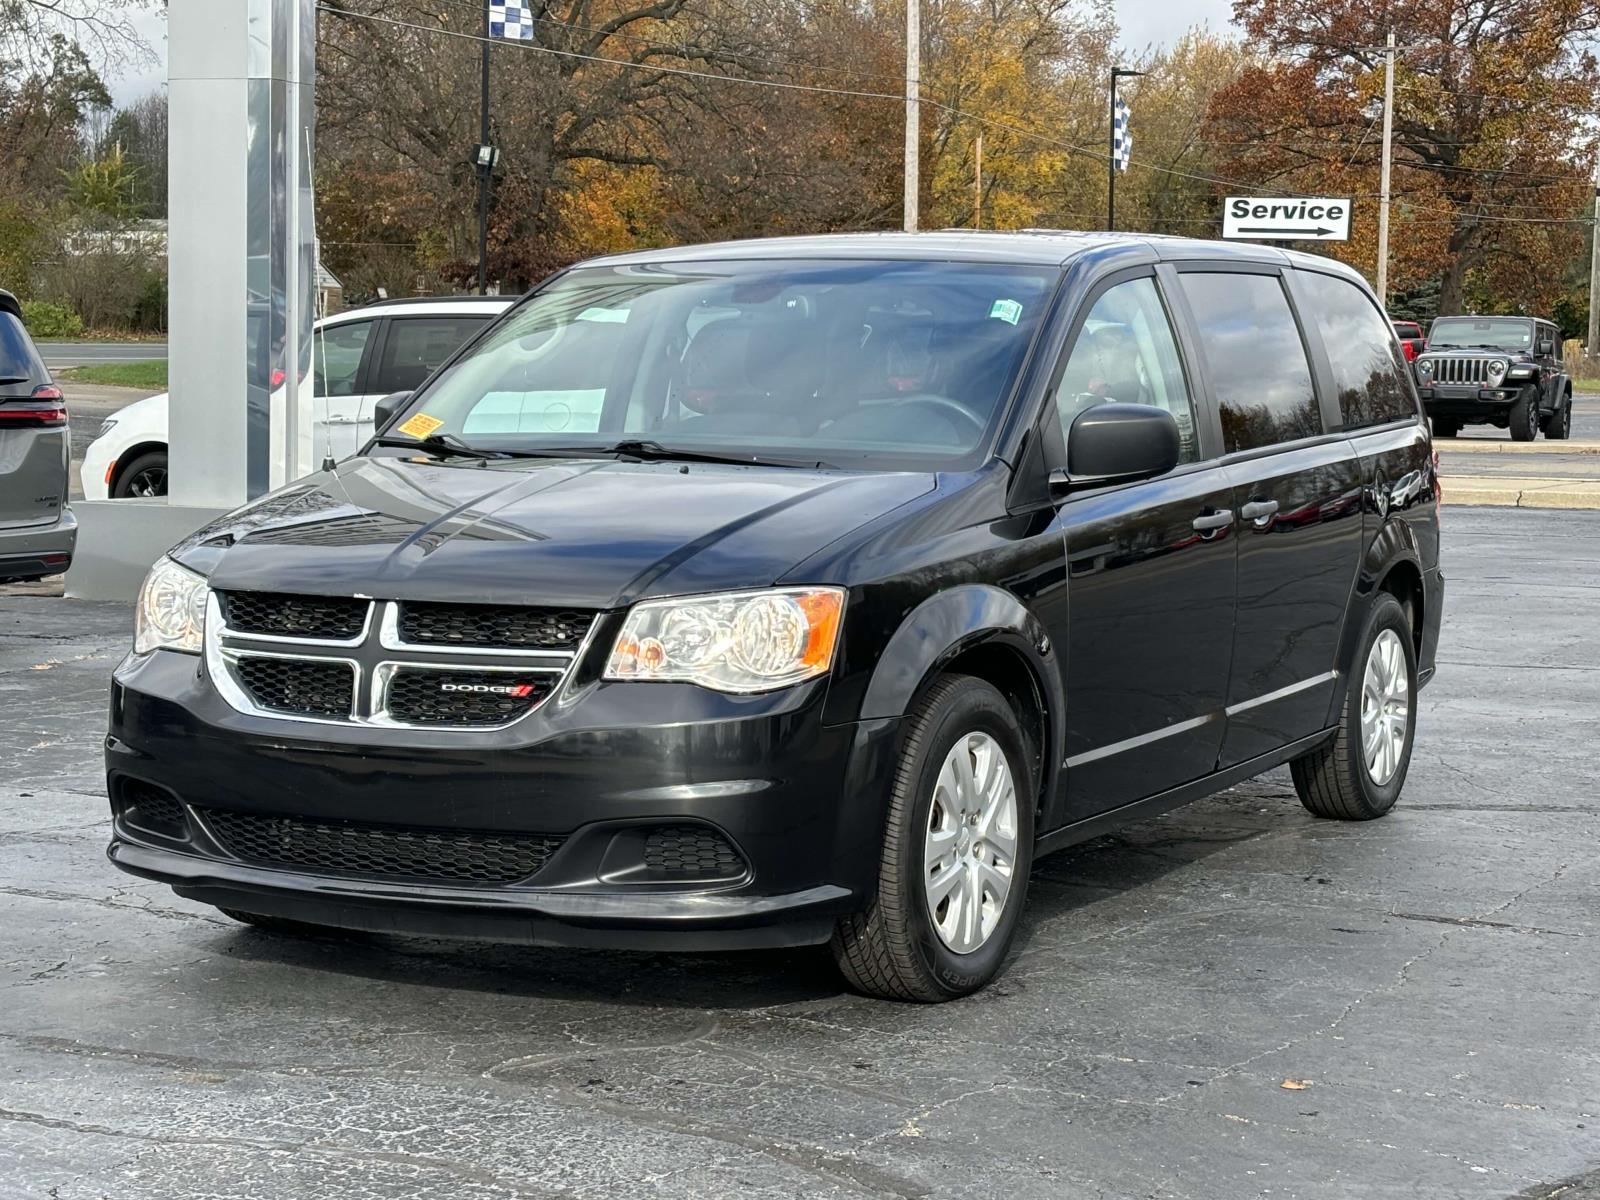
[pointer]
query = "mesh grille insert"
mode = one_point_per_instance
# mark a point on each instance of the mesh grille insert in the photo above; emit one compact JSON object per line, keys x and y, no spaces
{"x":691,"y":851}
{"x":294,"y":616}
{"x":389,"y":852}
{"x":418,"y":696}
{"x":489,"y":625}
{"x":157,"y":810}
{"x":306,"y":687}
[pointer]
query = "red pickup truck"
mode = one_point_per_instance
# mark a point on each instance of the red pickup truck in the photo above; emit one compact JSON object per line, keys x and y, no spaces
{"x":1411,"y":340}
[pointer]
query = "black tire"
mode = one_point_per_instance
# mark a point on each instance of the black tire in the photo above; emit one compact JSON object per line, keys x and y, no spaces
{"x":1525,"y":415}
{"x":144,"y":476}
{"x":1333,"y":781}
{"x":1444,"y":428}
{"x":891,"y":949}
{"x":283,"y":924}
{"x":1558,"y":425}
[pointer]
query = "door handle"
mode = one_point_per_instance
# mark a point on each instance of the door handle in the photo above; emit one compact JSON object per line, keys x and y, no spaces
{"x":1220,"y":519}
{"x":1258,"y":510}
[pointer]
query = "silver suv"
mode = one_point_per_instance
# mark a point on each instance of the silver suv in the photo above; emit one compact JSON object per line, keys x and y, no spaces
{"x":37,"y":530}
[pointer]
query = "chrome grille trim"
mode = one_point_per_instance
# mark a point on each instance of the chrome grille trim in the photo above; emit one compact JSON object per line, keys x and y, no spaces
{"x":1460,"y":370}
{"x":374,"y":659}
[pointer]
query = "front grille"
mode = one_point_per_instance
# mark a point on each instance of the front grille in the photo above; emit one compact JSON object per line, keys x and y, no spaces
{"x":691,"y":851}
{"x":299,"y":686}
{"x":382,"y":851}
{"x":276,"y":615}
{"x":419,"y":696}
{"x":486,"y":625}
{"x":153,"y":809}
{"x":1460,"y":370}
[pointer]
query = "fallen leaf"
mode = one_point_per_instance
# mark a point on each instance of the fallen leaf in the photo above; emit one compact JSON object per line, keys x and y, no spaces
{"x":1295,"y":1085}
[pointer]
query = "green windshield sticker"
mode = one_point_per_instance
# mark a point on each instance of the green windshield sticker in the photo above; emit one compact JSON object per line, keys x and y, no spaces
{"x":1008,"y":311}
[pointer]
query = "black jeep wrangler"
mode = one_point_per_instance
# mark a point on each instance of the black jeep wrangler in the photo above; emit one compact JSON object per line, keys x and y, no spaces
{"x":1502,"y":371}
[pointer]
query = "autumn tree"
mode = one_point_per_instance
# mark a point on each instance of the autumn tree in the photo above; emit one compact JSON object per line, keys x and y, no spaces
{"x":1492,"y":137}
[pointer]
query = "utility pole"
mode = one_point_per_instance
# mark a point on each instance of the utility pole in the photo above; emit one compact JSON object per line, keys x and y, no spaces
{"x":913,"y":111}
{"x":485,"y":163}
{"x":1383,"y":182}
{"x":1111,"y":146}
{"x":977,"y":184}
{"x":1593,"y":347}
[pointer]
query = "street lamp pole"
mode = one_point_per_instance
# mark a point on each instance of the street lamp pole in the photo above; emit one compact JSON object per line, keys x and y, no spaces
{"x":485,"y":164}
{"x":1111,"y":147}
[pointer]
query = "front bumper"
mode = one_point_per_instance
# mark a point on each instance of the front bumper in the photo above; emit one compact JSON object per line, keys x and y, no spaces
{"x":1467,"y":401}
{"x":34,"y":551}
{"x":801,"y":802}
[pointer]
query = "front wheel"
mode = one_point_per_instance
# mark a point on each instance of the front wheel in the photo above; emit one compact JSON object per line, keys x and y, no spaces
{"x":145,"y":477}
{"x":1358,"y":775}
{"x":1525,"y":416}
{"x":957,"y":849}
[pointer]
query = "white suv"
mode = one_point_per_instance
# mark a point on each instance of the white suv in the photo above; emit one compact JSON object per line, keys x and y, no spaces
{"x":361,"y":356}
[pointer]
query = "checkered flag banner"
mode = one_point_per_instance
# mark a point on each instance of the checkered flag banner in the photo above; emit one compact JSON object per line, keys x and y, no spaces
{"x":1121,"y":138}
{"x":510,"y":19}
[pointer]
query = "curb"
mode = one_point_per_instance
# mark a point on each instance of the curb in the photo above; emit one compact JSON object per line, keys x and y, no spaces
{"x":1486,"y":446}
{"x":1521,"y":493}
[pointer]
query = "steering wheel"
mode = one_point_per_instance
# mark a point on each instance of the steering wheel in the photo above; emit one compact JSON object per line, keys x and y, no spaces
{"x":978,"y":422}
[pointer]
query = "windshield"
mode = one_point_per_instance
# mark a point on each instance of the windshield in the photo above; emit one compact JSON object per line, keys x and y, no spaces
{"x":1496,"y":333}
{"x":875,"y":365}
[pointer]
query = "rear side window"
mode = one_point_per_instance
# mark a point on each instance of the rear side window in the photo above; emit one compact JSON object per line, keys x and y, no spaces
{"x":1258,"y":362}
{"x":417,"y":347}
{"x":1367,"y":370}
{"x":19,"y":361}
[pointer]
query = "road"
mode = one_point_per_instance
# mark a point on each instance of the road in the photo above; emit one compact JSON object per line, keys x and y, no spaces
{"x":60,"y":355}
{"x":1431,"y":980}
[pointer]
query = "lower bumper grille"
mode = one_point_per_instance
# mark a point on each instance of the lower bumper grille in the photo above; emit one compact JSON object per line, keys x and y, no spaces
{"x":691,"y":852}
{"x":380,"y":851}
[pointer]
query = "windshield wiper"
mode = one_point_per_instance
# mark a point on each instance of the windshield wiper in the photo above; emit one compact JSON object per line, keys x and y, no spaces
{"x":655,"y":452}
{"x":440,"y":445}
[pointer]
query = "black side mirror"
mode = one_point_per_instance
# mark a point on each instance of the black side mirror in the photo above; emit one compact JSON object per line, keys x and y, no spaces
{"x":384,"y":410}
{"x":1117,"y":443}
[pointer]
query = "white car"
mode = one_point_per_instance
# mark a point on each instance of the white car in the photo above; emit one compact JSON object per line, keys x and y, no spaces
{"x":361,"y":356}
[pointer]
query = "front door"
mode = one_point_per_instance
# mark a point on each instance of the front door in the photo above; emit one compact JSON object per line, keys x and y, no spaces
{"x":1298,"y":495}
{"x":1150,"y":575}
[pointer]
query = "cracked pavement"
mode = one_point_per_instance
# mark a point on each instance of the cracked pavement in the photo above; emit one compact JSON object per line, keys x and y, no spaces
{"x":1431,"y":978}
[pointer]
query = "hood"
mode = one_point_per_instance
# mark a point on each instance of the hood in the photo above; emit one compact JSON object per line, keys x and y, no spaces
{"x":595,"y":534}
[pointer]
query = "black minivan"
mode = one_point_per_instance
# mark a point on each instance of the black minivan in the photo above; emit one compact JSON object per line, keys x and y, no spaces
{"x":800,"y":591}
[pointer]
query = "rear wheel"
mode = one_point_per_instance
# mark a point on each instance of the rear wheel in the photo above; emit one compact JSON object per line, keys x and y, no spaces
{"x":1525,"y":416}
{"x":1445,"y":428}
{"x":1558,"y":425}
{"x":145,"y":476}
{"x":957,"y":849}
{"x":1358,"y":775}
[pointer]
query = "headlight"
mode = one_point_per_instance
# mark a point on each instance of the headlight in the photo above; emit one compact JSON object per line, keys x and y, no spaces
{"x":1497,"y":370}
{"x":106,"y":427}
{"x":1425,"y":367}
{"x":172,"y":610}
{"x":734,"y":642}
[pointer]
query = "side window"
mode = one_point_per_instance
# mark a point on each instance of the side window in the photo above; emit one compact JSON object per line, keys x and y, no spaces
{"x":1367,"y":373}
{"x":1126,"y":353}
{"x":417,"y":347}
{"x":337,"y":351}
{"x":1258,"y":363}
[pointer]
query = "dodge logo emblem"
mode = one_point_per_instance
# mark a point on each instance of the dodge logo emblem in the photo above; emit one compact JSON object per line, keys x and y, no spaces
{"x":490,"y":689}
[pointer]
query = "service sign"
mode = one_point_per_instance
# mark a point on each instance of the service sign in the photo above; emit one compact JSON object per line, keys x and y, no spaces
{"x":1286,"y":219}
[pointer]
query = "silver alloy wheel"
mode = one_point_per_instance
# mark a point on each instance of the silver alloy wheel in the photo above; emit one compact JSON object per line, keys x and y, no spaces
{"x":1385,"y":707}
{"x":970,"y":849}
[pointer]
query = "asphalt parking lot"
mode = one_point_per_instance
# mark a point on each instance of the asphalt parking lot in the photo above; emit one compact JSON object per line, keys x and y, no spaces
{"x":1232,"y":1001}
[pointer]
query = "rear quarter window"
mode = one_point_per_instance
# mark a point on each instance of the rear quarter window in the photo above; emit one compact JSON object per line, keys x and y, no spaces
{"x":1368,"y":372}
{"x":21,"y":368}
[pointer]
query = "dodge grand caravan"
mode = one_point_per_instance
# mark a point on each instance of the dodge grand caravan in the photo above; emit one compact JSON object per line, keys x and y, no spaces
{"x":799,"y":591}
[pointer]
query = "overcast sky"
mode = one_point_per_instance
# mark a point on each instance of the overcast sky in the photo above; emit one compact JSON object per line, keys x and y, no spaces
{"x":1144,"y":23}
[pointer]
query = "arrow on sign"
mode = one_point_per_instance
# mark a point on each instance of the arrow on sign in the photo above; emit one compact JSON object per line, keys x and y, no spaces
{"x":1318,"y":232}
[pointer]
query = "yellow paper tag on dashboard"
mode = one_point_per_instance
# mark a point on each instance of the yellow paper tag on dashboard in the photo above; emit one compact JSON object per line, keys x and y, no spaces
{"x":420,"y":426}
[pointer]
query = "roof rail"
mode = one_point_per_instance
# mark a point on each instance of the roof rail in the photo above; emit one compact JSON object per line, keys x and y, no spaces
{"x":455,"y":299}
